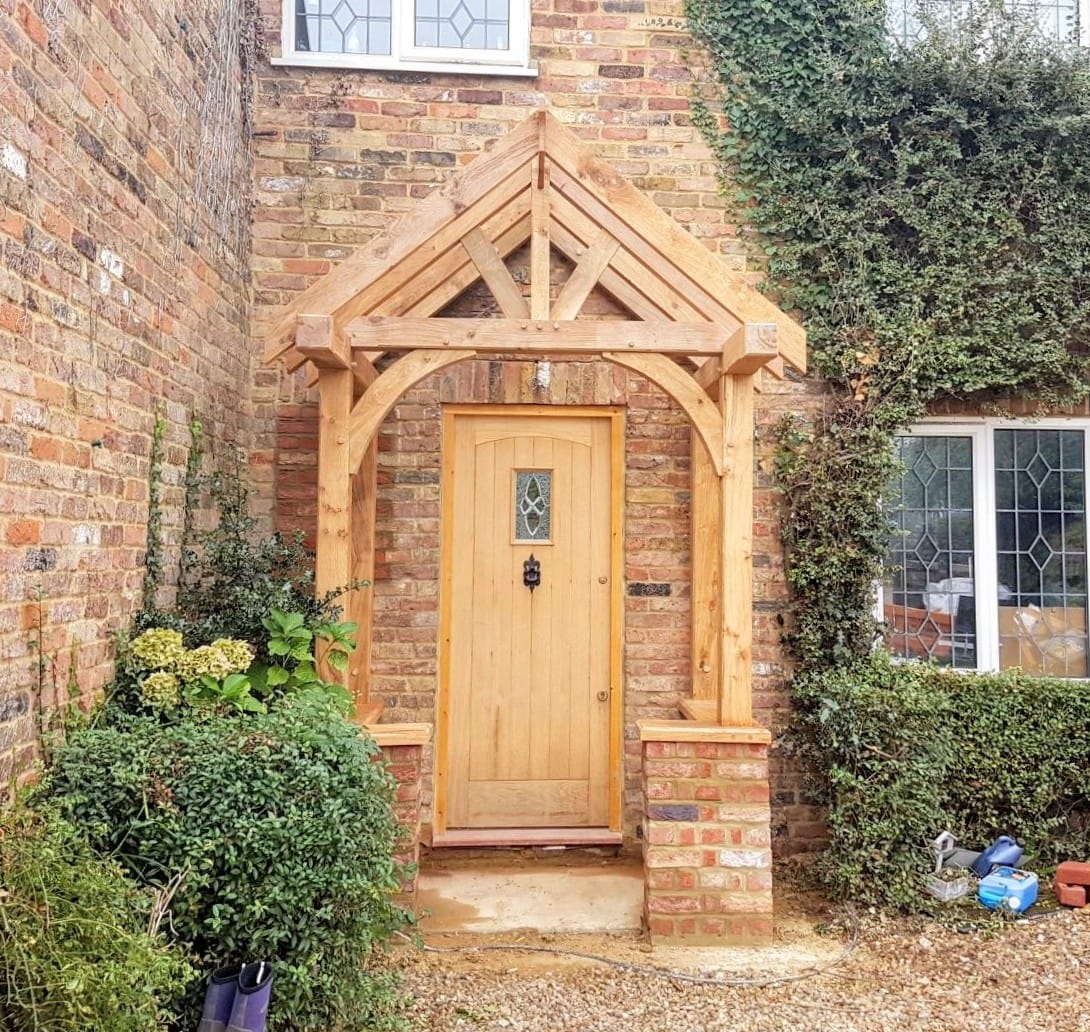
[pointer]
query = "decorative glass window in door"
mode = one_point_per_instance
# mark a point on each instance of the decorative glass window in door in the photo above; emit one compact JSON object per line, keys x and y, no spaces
{"x":533,"y":504}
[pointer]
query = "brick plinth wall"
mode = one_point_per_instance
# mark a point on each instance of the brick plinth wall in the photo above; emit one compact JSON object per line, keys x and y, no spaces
{"x":706,"y":840}
{"x":403,"y":748}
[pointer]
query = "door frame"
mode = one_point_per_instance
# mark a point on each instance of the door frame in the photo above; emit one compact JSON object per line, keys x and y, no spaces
{"x":616,"y":596}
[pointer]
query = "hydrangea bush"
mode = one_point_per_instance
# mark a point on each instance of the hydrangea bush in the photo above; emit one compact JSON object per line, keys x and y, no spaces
{"x":169,"y":674}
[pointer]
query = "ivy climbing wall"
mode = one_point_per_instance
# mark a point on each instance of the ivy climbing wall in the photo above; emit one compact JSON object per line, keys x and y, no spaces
{"x":124,"y":254}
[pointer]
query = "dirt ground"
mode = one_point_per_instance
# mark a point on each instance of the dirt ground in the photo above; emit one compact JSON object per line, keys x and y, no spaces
{"x":826,"y":971}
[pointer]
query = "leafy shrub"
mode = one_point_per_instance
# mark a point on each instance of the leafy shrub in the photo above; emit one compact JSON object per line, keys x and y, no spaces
{"x":912,"y":749}
{"x":281,"y":824}
{"x":157,"y":673}
{"x":233,"y":577}
{"x":74,"y":952}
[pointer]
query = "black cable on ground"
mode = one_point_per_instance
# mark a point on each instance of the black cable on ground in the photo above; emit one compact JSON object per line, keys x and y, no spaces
{"x":643,"y":969}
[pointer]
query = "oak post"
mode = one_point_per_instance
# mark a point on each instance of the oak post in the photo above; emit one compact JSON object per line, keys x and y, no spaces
{"x":361,"y":602}
{"x":736,"y":553}
{"x":706,"y":536}
{"x":333,"y":552}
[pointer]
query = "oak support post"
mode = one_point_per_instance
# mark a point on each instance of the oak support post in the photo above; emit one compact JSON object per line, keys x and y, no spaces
{"x":706,"y":535}
{"x":736,"y":553}
{"x":361,"y":602}
{"x":333,"y":552}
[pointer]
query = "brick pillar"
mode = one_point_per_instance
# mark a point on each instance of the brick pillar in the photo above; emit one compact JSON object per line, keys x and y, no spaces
{"x":707,"y":855}
{"x":402,"y":748}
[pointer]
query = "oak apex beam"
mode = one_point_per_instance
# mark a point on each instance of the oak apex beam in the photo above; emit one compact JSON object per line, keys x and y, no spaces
{"x":387,"y":333}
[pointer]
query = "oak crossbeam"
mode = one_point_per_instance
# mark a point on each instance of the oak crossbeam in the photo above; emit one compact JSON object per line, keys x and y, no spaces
{"x":544,"y":336}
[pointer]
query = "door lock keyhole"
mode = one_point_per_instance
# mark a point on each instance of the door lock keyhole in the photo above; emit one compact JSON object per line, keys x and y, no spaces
{"x":531,"y":573}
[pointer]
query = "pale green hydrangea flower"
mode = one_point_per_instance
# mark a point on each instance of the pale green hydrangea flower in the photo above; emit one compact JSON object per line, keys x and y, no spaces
{"x":158,"y":648}
{"x":161,"y":689}
{"x":204,"y":661}
{"x":237,"y":652}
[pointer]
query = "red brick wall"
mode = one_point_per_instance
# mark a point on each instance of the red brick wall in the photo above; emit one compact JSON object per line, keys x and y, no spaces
{"x":341,"y":155}
{"x":118,"y":292}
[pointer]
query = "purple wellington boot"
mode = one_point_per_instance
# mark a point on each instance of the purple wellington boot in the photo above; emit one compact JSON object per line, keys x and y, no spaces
{"x":219,"y":999}
{"x":252,"y":993}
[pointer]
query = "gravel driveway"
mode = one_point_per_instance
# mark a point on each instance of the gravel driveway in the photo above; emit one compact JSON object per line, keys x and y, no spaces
{"x":1029,"y":977}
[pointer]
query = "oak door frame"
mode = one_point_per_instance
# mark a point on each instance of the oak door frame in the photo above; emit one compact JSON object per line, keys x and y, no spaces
{"x":616,"y":416}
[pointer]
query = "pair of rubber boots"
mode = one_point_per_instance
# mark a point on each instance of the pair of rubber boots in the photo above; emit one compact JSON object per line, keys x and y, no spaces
{"x":237,"y":999}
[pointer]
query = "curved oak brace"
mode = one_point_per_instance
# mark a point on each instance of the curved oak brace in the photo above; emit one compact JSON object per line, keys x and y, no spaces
{"x":369,"y":412}
{"x":701,"y":410}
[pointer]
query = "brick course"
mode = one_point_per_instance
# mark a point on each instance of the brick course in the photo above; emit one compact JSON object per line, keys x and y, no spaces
{"x":405,"y":765}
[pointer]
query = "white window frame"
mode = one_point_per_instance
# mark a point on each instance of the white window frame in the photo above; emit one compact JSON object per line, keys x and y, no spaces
{"x":1082,"y":6}
{"x":405,"y":56}
{"x":981,"y":432}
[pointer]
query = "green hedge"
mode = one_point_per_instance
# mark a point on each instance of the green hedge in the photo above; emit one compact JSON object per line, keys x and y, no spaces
{"x":911,"y":750}
{"x":281,"y":828}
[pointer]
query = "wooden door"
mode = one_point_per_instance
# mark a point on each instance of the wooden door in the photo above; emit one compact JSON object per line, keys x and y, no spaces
{"x":529,"y":672}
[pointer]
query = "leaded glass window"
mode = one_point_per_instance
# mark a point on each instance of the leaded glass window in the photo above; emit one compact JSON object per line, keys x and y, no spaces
{"x":447,"y":35}
{"x":463,"y":24}
{"x":987,"y":568}
{"x":533,"y":505}
{"x":930,"y":598}
{"x":343,"y":26}
{"x":1040,"y":536}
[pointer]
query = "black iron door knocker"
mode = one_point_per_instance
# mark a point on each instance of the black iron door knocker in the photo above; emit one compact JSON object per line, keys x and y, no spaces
{"x":531,"y":572}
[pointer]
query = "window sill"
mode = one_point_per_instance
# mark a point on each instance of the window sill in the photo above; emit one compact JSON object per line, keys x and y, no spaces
{"x":347,"y":63}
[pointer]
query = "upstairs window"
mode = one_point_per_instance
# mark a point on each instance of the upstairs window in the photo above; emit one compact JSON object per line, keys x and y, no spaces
{"x":1064,"y":20}
{"x":437,"y":35}
{"x":988,"y":569}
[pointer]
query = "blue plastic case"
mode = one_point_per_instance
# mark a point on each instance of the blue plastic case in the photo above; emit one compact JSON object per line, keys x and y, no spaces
{"x":1009,"y":887}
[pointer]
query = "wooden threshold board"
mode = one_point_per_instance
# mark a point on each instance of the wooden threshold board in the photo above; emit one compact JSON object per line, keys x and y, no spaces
{"x":463,"y":837}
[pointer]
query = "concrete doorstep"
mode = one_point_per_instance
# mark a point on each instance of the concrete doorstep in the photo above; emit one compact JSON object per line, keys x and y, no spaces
{"x":490,"y":898}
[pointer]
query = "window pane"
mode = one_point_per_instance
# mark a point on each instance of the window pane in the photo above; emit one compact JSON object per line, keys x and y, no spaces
{"x":533,"y":505}
{"x":930,"y":608}
{"x":462,"y":24}
{"x":343,"y":26}
{"x":1041,"y":551}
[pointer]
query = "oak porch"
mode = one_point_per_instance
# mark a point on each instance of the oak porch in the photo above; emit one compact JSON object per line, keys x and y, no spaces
{"x":701,"y":332}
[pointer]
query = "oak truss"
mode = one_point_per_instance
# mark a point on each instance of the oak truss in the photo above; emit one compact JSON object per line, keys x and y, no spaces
{"x":700,"y":331}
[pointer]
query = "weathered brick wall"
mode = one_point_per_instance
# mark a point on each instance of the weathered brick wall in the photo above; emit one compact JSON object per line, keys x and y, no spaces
{"x":124,"y":204}
{"x":342,"y":154}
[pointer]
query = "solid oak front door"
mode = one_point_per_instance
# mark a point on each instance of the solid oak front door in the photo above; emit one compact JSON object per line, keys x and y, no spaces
{"x":528,"y":572}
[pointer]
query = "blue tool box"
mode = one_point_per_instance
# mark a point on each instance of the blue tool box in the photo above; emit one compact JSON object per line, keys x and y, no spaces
{"x":1008,"y":887}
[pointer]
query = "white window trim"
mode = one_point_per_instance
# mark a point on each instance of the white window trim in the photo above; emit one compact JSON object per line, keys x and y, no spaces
{"x":409,"y":58}
{"x":982,"y":433}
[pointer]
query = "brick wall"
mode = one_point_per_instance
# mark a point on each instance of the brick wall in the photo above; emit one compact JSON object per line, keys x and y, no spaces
{"x":341,"y":156}
{"x":124,"y":201}
{"x":707,"y":861}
